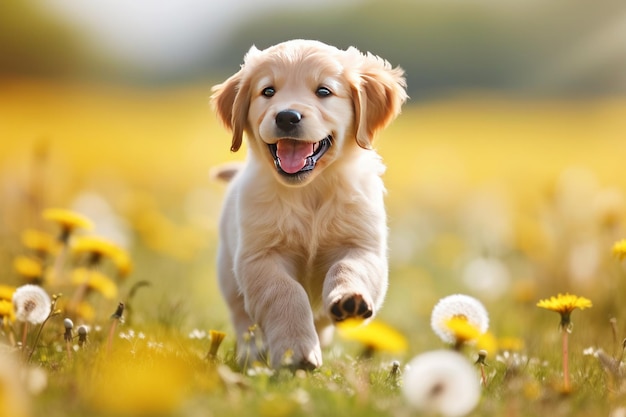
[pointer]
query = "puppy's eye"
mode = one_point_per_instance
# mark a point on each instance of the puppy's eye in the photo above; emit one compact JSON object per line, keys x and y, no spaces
{"x":322,"y":92}
{"x":268,"y":92}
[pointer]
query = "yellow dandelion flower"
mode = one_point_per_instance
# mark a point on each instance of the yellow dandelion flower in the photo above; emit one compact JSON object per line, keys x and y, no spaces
{"x":97,"y":248}
{"x":94,"y":245}
{"x":29,"y":268}
{"x":619,"y":249}
{"x":462,"y":330}
{"x":487,"y":342}
{"x":6,"y":292}
{"x":513,"y":344}
{"x":7,"y":312}
{"x":141,"y":387}
{"x":95,"y":281}
{"x":564,"y":304}
{"x":217,"y":338}
{"x":458,"y":306}
{"x":68,"y":221}
{"x":122,"y":262}
{"x":85,"y":311}
{"x":374,"y":335}
{"x":39,"y":241}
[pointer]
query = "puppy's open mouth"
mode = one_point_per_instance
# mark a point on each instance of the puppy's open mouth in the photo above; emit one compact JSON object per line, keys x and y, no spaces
{"x":293,"y":157}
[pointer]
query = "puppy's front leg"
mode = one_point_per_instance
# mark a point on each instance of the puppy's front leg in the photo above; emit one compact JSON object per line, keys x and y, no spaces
{"x":355,"y":286}
{"x":280,"y":306}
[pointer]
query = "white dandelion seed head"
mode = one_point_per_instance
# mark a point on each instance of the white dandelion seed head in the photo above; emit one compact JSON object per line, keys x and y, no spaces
{"x":31,"y":303}
{"x":458,"y":305}
{"x":441,"y":382}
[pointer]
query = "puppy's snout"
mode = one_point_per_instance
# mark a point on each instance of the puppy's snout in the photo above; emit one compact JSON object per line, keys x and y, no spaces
{"x":288,"y":120}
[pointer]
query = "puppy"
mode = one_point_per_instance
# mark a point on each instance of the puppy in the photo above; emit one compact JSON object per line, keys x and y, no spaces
{"x":303,"y":234}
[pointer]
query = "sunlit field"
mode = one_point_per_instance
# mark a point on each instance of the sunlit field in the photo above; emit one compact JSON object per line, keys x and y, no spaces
{"x":508,"y":200}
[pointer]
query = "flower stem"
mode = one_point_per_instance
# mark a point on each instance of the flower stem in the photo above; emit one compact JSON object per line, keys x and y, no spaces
{"x":482,"y":355}
{"x":566,"y":381}
{"x":59,"y":261}
{"x":483,"y":377}
{"x":111,"y":334}
{"x":115,"y":318}
{"x":30,"y":355}
{"x":24,"y":333}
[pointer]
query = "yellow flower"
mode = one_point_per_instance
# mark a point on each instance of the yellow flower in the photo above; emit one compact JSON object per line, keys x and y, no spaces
{"x":487,"y":342}
{"x":39,"y":241}
{"x":95,"y":281}
{"x":465,"y":332}
{"x":136,"y":386}
{"x":6,"y":292}
{"x":514,"y":344}
{"x":29,"y":268}
{"x":462,"y":330}
{"x":94,"y":245}
{"x":619,"y":249}
{"x":7,"y":312}
{"x":97,"y":248}
{"x":217,"y":338}
{"x":564,"y":304}
{"x":462,"y":307}
{"x":375,"y":335}
{"x":85,"y":311}
{"x":68,"y":221}
{"x":15,"y":400}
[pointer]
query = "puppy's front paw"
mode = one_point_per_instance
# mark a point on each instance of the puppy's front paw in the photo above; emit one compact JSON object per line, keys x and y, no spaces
{"x":299,"y":352}
{"x":351,"y":306}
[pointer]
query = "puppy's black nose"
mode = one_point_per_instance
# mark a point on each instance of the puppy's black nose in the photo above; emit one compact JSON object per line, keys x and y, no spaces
{"x":288,"y":120}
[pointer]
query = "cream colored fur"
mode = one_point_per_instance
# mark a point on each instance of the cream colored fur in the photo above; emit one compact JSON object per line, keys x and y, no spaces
{"x":299,"y":252}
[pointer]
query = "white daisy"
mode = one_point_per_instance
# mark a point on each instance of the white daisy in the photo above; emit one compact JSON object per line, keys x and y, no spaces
{"x":458,"y":305}
{"x":31,"y":303}
{"x":441,"y":382}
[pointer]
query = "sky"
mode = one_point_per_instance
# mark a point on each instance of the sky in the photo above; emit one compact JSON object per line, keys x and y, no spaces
{"x":164,"y":34}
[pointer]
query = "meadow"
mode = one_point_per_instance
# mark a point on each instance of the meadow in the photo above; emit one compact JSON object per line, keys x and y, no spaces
{"x":508,"y":199}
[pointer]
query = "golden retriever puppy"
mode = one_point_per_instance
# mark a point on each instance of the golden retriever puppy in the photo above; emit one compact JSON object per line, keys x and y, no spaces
{"x":303,"y":234}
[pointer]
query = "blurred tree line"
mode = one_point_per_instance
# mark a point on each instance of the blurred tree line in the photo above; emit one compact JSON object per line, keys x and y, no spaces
{"x":525,"y":46}
{"x":547,"y":47}
{"x":32,"y":44}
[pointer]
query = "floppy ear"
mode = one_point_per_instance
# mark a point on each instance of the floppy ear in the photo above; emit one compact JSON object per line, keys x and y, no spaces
{"x":378,"y":92}
{"x":231,"y":100}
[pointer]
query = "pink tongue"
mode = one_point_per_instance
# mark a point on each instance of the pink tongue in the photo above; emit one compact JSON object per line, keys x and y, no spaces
{"x":293,"y":154}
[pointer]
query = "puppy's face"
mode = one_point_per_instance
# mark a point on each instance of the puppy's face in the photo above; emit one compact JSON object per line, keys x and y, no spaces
{"x":302,"y":104}
{"x":300,"y":114}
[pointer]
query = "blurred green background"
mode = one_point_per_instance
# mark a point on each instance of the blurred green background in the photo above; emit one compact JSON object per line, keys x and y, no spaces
{"x":505,"y":170}
{"x":562,"y":47}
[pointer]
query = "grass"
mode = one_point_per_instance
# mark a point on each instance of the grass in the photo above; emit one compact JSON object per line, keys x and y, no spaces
{"x":477,"y":185}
